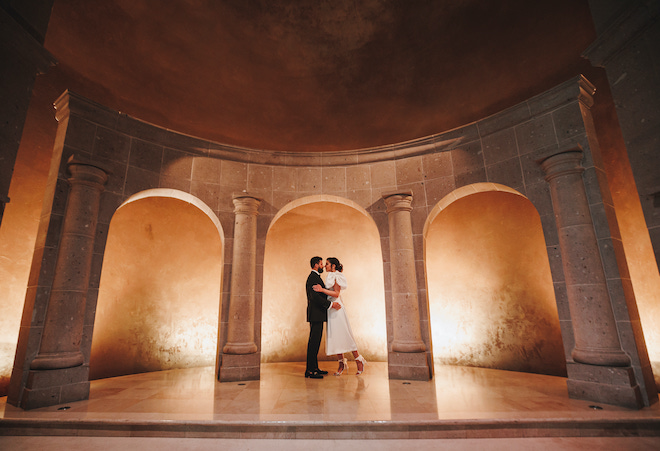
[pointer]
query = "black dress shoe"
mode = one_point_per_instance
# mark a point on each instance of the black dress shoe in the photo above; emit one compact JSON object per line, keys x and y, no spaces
{"x":321,"y":371}
{"x":313,"y":375}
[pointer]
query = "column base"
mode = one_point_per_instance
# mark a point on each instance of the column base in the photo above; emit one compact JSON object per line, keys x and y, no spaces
{"x":608,"y":385}
{"x":600,"y":357}
{"x":244,"y":367}
{"x":408,"y":346}
{"x":409,"y":366}
{"x":57,"y":360}
{"x":240,"y":348}
{"x":52,"y":387}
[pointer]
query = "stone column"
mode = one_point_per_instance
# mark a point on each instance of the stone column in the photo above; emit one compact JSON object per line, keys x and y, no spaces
{"x":57,"y":373}
{"x":240,"y":324}
{"x":405,"y":307}
{"x":408,"y":360}
{"x":596,"y":337}
{"x":60,"y":342}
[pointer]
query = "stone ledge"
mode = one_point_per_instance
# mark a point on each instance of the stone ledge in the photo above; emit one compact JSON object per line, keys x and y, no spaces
{"x":454,"y":429}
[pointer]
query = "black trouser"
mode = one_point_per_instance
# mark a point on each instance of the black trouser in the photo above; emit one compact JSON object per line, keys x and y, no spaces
{"x":313,"y":345}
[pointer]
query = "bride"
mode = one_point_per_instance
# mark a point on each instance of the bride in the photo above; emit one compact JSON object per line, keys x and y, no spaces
{"x":339,"y":338}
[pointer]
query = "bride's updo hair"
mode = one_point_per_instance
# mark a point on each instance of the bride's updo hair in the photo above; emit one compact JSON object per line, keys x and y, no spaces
{"x":335,"y":262}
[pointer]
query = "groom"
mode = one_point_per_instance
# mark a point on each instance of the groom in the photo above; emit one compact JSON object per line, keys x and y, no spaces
{"x":317,"y":314}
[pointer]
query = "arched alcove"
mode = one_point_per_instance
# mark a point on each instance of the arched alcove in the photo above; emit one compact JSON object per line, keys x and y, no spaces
{"x":326,"y":226}
{"x":159,"y":296}
{"x":490,"y":289}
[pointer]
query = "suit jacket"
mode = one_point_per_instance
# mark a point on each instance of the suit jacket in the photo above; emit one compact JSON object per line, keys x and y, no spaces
{"x":317,"y":302}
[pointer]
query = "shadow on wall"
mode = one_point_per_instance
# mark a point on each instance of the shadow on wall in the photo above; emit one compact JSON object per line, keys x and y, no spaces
{"x":159,"y":296}
{"x":491,"y":296}
{"x":326,"y":229}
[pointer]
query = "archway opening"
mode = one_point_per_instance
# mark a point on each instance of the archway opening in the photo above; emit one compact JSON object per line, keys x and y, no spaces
{"x":327,"y":228}
{"x":159,"y":295}
{"x":490,"y":289}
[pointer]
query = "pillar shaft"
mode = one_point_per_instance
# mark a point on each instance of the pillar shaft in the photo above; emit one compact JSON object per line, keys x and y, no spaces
{"x":596,"y":337}
{"x":63,"y":326}
{"x":240,"y":324}
{"x":407,"y":336}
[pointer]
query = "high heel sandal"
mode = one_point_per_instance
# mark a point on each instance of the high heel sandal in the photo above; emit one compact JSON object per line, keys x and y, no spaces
{"x":343,"y":364}
{"x":360,"y":359}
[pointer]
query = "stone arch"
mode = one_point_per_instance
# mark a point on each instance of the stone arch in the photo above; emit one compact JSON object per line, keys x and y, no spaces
{"x":181,"y":195}
{"x":465,"y":191}
{"x":159,"y":296}
{"x":299,"y":231}
{"x":314,"y":199}
{"x":489,"y":285}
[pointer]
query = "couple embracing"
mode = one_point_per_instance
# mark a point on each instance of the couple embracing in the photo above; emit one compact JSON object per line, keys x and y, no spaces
{"x":324,"y":304}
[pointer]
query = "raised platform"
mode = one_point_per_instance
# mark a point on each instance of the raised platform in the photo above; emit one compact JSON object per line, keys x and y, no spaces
{"x":458,"y":403}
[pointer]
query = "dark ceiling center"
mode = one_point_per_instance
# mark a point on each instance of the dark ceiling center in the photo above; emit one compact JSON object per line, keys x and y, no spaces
{"x":315,"y":75}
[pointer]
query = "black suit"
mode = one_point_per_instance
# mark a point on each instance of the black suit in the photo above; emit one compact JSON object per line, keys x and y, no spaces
{"x":317,"y":314}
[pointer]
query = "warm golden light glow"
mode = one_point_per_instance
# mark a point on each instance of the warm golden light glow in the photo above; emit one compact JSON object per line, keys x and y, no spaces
{"x":640,"y":258}
{"x":160,"y":287}
{"x":18,"y":231}
{"x":326,"y":228}
{"x":491,"y":297}
{"x":643,"y":271}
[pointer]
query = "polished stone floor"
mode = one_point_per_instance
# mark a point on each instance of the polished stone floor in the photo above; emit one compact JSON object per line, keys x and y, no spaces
{"x":460,"y":405}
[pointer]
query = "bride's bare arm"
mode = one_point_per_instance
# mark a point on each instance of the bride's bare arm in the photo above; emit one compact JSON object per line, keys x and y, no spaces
{"x":334,"y":294}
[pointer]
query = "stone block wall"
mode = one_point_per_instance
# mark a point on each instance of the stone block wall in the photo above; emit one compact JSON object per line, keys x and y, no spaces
{"x":506,"y":149}
{"x":628,"y":32}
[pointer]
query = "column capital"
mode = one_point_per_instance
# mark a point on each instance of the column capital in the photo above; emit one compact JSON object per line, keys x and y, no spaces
{"x":83,"y":170}
{"x":398,"y":201}
{"x":83,"y":174}
{"x":246,"y":203}
{"x":562,"y":162}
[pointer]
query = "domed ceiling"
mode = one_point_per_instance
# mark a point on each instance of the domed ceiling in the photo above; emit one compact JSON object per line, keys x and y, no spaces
{"x":315,"y":75}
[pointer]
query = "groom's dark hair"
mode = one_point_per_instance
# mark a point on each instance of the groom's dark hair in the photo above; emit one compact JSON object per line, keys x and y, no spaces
{"x":314,"y":261}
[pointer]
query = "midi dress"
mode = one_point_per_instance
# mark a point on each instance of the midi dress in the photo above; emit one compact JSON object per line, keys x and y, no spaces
{"x":339,"y":338}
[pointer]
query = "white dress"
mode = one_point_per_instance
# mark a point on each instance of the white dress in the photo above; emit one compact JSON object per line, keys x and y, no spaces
{"x":339,"y":338}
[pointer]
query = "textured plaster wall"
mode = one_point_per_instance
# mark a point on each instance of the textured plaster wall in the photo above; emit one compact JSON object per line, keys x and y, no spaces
{"x":20,"y":223}
{"x":160,"y":290}
{"x":326,"y":229}
{"x":491,"y":298}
